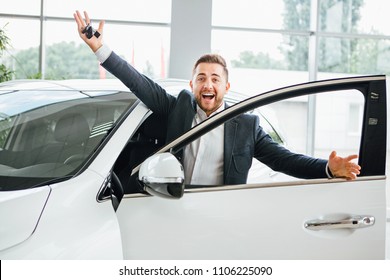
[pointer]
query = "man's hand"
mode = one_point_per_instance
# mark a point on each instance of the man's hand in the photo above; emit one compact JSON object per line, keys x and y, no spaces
{"x":94,"y":42}
{"x":343,"y":167}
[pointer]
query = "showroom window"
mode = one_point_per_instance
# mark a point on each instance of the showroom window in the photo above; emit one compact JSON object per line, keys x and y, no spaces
{"x":141,"y":36}
{"x":295,"y":41}
{"x":22,"y":7}
{"x":23,"y":56}
{"x":354,"y":16}
{"x":267,"y":44}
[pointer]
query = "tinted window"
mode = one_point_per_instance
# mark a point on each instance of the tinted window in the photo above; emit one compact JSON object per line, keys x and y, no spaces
{"x":46,"y":135}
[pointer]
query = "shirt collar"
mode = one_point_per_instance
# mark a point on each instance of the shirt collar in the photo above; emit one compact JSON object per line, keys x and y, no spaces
{"x":202,"y":115}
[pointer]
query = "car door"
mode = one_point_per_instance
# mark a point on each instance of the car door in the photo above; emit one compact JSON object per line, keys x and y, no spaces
{"x":276,"y":219}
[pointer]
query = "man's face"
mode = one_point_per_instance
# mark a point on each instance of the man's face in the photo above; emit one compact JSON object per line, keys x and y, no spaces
{"x":209,"y":86}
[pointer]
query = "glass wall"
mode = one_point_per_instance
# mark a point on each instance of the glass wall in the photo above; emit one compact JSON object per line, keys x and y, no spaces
{"x":265,"y":39}
{"x":300,"y":40}
{"x":140,"y":35}
{"x":268,"y":44}
{"x":22,"y":7}
{"x":271,"y":45}
{"x":23,"y":56}
{"x":353,"y":37}
{"x":310,"y":39}
{"x":354,"y":16}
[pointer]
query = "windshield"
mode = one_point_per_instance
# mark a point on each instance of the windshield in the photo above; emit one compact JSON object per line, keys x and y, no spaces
{"x":48,"y":135}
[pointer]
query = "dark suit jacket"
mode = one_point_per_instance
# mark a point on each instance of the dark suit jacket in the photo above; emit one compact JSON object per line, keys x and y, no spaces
{"x":244,"y":138}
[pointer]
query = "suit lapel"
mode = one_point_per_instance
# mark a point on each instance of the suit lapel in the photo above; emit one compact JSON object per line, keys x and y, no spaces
{"x":189,"y":116}
{"x":230,"y":131}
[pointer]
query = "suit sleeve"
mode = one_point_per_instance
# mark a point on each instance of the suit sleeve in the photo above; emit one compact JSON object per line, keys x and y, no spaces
{"x":149,"y":92}
{"x":283,"y":160}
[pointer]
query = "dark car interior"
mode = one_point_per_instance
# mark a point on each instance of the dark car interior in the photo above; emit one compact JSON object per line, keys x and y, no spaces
{"x":149,"y":137}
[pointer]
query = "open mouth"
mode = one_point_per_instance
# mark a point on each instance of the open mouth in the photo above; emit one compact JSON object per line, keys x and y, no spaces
{"x":208,"y":95}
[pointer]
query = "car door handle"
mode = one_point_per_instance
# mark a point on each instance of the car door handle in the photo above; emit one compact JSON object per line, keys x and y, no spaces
{"x":353,"y":222}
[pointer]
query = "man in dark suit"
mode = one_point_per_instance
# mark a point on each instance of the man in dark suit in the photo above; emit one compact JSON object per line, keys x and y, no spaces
{"x":224,"y":155}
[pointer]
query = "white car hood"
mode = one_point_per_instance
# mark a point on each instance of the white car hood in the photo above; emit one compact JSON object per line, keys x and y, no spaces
{"x":19,"y":214}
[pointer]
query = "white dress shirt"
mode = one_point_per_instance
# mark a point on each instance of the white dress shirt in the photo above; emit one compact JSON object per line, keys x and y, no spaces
{"x":203,"y":158}
{"x":103,"y":53}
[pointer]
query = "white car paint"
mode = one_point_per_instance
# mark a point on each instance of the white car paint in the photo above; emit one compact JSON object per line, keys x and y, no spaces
{"x":21,"y":210}
{"x":256,"y":222}
{"x":71,"y":204}
{"x":73,"y":225}
{"x":67,"y":220}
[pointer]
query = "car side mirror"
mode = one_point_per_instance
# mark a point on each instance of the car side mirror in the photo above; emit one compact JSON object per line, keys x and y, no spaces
{"x":162,"y":175}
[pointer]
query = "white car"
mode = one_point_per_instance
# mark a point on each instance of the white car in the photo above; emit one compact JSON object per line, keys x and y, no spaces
{"x":85,"y":170}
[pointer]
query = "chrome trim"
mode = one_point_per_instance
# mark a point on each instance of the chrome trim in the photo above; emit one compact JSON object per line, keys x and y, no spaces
{"x":299,"y":182}
{"x":268,"y":185}
{"x":162,"y":180}
{"x":353,"y":222}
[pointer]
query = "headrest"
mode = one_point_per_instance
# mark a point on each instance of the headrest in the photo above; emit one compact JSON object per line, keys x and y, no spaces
{"x":72,"y":129}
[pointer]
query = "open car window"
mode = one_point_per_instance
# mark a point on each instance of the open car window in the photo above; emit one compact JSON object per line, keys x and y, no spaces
{"x":335,"y":124}
{"x":352,"y":105}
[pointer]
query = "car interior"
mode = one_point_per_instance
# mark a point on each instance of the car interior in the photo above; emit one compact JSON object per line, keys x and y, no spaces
{"x":149,"y":137}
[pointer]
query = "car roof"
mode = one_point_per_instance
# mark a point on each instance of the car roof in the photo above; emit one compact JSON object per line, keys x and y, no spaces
{"x":95,"y":87}
{"x":74,"y":84}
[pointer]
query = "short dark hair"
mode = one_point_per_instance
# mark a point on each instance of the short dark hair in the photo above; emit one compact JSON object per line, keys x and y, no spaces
{"x":212,"y":58}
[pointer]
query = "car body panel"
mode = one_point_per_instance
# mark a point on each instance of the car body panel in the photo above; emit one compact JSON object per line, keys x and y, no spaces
{"x":76,"y":217}
{"x":20,"y":212}
{"x":73,"y":226}
{"x":256,"y":222}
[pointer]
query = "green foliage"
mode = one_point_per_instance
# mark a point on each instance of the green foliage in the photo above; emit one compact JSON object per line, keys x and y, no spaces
{"x":335,"y":54}
{"x":5,"y":74}
{"x":26,"y":64}
{"x":295,"y":48}
{"x":4,"y":40}
{"x":64,"y":60}
{"x":260,"y":61}
{"x":4,"y":130}
{"x":297,"y":14}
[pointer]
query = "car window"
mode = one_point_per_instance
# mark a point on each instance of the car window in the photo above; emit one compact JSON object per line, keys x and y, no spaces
{"x":334,"y":124}
{"x":333,"y":115}
{"x":48,"y":135}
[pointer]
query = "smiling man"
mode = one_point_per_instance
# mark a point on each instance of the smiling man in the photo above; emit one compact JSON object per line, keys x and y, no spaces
{"x":209,"y":82}
{"x":224,"y":155}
